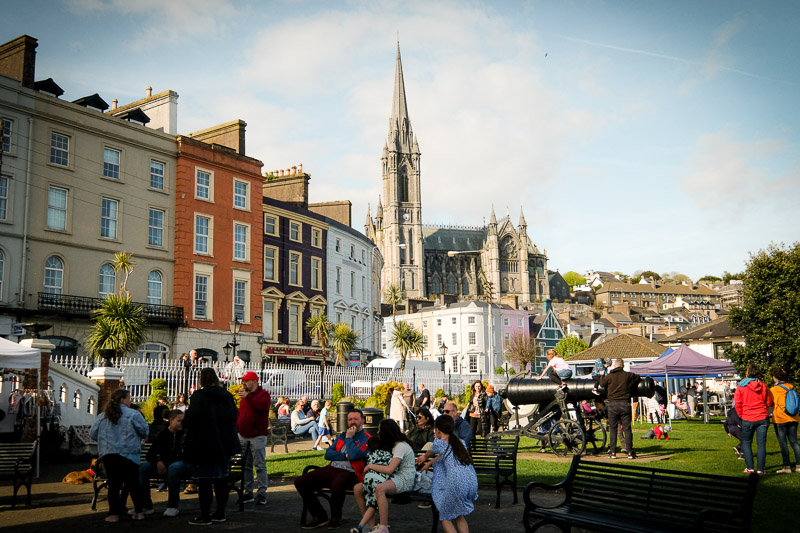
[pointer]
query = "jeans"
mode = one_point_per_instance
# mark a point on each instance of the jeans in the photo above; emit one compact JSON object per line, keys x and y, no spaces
{"x":784,"y":432}
{"x":619,"y":413}
{"x":758,"y":427}
{"x":308,"y":428}
{"x":255,"y":459}
{"x":175,"y":473}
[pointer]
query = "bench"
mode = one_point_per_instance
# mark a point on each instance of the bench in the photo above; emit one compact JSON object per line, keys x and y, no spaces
{"x":280,"y":432}
{"x":496,"y":457}
{"x":402,"y":498}
{"x":235,"y":476}
{"x":631,"y":498}
{"x":16,"y":464}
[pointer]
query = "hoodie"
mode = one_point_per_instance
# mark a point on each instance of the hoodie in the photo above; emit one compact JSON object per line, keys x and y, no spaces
{"x":752,"y":398}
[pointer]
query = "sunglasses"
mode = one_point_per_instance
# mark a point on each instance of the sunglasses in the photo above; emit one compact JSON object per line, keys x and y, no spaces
{"x":447,"y":410}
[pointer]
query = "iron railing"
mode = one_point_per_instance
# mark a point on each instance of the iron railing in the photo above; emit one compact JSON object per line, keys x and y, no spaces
{"x":83,"y":306}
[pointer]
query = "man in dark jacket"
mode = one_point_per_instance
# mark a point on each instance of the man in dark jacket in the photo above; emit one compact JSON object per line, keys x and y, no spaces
{"x":165,"y":461}
{"x":253,"y":426}
{"x":733,"y":427}
{"x":620,"y":386}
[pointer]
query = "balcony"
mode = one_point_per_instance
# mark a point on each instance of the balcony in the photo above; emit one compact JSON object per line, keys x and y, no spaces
{"x":71,"y":306}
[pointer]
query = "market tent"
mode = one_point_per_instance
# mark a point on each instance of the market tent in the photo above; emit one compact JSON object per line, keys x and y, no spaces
{"x":684,"y":362}
{"x":18,"y":357}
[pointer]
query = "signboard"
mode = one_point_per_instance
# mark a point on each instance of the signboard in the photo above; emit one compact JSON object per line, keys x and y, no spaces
{"x":354,"y":358}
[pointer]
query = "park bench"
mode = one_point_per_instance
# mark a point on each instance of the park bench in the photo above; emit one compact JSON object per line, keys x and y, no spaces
{"x":235,"y":476}
{"x":631,"y":498}
{"x":496,"y":457}
{"x":16,"y":464}
{"x":280,"y":432}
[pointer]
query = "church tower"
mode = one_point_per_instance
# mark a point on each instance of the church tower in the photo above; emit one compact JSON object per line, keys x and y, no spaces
{"x":399,"y":232}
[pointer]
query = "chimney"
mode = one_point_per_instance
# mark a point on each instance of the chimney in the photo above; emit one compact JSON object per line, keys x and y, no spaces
{"x":300,"y":168}
{"x":18,"y":60}
{"x":149,"y":92}
{"x":294,"y":170}
{"x":113,"y":104}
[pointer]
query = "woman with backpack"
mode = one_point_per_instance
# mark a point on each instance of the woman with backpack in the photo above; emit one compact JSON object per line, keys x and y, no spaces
{"x":752,"y":400}
{"x":785,"y":417}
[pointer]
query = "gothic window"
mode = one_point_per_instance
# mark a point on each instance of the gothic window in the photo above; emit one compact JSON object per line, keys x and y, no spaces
{"x":451,"y":285}
{"x":436,"y":285}
{"x":464,"y":286}
{"x":402,"y":281}
{"x":402,"y":178}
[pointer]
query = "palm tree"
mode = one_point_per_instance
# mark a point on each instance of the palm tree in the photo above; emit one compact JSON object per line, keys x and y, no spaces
{"x":343,"y":340}
{"x":393,"y":296}
{"x":319,"y":328}
{"x":406,"y":339}
{"x":123,"y":261}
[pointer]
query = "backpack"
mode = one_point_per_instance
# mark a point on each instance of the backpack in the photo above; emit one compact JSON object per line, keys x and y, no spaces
{"x":792,"y":401}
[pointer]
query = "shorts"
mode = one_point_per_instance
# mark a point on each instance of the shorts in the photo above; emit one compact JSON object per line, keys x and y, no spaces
{"x":324,"y":431}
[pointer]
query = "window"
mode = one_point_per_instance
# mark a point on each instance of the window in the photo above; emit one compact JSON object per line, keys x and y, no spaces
{"x":90,"y":405}
{"x":438,"y":321}
{"x":505,"y":322}
{"x":240,"y":194}
{"x":76,"y":400}
{"x":353,"y":323}
{"x":453,"y":320}
{"x":424,"y":324}
{"x":454,"y":364}
{"x":239,"y":299}
{"x":270,"y":225}
{"x":506,"y":338}
{"x":316,"y":273}
{"x":338,"y":280}
{"x":295,"y":276}
{"x":154,"y":285}
{"x":111,"y":163}
{"x":352,"y":284}
{"x":240,"y":242}
{"x":473,"y":363}
{"x":59,"y":149}
{"x":364,"y":288}
{"x":473,"y":338}
{"x":270,"y":263}
{"x":269,"y":321}
{"x":155,"y":228}
{"x":108,"y":218}
{"x":338,"y":317}
{"x":454,"y":339}
{"x":107,"y":281}
{"x":57,"y":208}
{"x":2,"y":271}
{"x":363,"y":257}
{"x":425,"y":341}
{"x":470,"y":320}
{"x":519,"y":322}
{"x":7,"y":125}
{"x":316,"y":238}
{"x":202,"y":188}
{"x":438,"y":339}
{"x":156,"y":175}
{"x":200,"y":296}
{"x":62,"y":393}
{"x":53,"y":275}
{"x":295,"y":231}
{"x":202,"y":227}
{"x":338,"y":245}
{"x":294,"y":323}
{"x":353,"y":252}
{"x":3,"y":197}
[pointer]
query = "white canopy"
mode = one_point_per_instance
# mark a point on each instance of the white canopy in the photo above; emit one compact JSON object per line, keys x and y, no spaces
{"x":13,"y":355}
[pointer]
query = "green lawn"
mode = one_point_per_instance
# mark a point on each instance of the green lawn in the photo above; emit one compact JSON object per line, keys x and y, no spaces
{"x":695,"y":447}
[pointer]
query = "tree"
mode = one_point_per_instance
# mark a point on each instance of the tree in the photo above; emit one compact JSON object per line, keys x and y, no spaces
{"x":406,"y":339}
{"x":521,"y":350}
{"x":319,"y":328}
{"x":710,"y":278}
{"x":680,"y":278}
{"x":650,"y":274}
{"x":621,"y":276}
{"x":343,"y":340}
{"x":119,"y":323}
{"x":727,"y":276}
{"x":570,"y":345}
{"x":573,"y":278}
{"x":770,"y":311}
{"x":393,"y":296}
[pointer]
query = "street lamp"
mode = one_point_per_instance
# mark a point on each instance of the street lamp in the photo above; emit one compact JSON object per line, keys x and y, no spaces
{"x":235,"y":326}
{"x":442,"y":354}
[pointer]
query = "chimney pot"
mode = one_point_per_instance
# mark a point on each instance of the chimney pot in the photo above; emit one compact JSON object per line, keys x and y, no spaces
{"x":113,"y":104}
{"x":288,"y":171}
{"x":300,"y":168}
{"x":294,"y":170}
{"x":149,"y":92}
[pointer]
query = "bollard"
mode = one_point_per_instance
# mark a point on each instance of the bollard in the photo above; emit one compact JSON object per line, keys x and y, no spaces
{"x":342,"y":408}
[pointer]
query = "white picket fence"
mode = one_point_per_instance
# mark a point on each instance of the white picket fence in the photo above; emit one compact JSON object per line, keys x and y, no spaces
{"x":293,"y":380}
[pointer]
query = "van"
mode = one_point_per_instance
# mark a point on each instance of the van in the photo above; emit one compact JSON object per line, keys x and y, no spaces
{"x":389,"y":369}
{"x":411,"y":364}
{"x":291,"y":383}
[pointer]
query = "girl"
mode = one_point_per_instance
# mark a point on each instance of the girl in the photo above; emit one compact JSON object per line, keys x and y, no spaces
{"x":478,"y":416}
{"x":455,"y":484}
{"x":284,"y":413}
{"x":752,"y":401}
{"x":376,"y":456}
{"x":324,"y":425}
{"x":180,"y":403}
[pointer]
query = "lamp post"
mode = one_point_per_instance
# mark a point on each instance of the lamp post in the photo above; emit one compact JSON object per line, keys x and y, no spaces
{"x":235,"y":326}
{"x":442,"y":354}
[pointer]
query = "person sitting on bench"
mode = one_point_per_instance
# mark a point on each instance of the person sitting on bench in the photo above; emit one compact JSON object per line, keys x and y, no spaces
{"x":165,"y":461}
{"x":302,"y":424}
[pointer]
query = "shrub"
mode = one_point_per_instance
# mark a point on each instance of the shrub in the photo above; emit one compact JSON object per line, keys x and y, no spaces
{"x":159,"y":384}
{"x":234,"y":390}
{"x":373,"y":401}
{"x":439,"y":392}
{"x":337,"y":393}
{"x":147,"y":407}
{"x":380,"y":392}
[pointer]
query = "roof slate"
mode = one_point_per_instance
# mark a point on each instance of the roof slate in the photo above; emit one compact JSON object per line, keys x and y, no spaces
{"x":712,"y":330}
{"x":621,"y":346}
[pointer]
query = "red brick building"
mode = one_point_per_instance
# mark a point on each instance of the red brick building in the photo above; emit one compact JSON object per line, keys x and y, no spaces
{"x":218,"y":247}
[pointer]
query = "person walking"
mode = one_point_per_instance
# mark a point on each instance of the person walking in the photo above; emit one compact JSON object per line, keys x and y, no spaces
{"x":397,"y":412}
{"x":476,"y":410}
{"x":752,"y":400}
{"x":211,"y":440}
{"x":323,"y":425}
{"x":253,"y":426}
{"x":302,"y":425}
{"x":455,"y":483}
{"x":118,"y":431}
{"x":388,"y":407}
{"x":785,"y":423}
{"x":494,"y":408}
{"x":164,"y":460}
{"x":620,"y":387}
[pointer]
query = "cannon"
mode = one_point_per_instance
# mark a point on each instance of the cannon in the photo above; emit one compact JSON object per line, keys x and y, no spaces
{"x":555,"y":417}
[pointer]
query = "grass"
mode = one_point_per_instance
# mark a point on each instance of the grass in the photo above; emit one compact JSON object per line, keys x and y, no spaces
{"x":694,"y":447}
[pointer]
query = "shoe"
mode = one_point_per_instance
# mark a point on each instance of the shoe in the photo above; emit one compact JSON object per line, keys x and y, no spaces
{"x":247,"y":497}
{"x":317,"y":448}
{"x":760,"y":473}
{"x":784,"y":470}
{"x":171,"y":511}
{"x":357,"y":529}
{"x":425,"y":505}
{"x":317,"y":523}
{"x":562,"y":386}
{"x":797,"y":469}
{"x":595,"y":392}
{"x":261,"y":499}
{"x":333,"y":523}
{"x":191,"y":488}
{"x":542,"y":450}
{"x":381,"y":529}
{"x":632,"y":455}
{"x":200,"y":521}
{"x":138,"y":516}
{"x":218,"y":518}
{"x":612,"y":456}
{"x":132,"y":512}
{"x":112,"y":518}
{"x":162,"y":487}
{"x":748,"y":471}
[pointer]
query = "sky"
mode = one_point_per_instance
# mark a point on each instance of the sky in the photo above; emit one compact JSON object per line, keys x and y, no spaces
{"x":634,"y":135}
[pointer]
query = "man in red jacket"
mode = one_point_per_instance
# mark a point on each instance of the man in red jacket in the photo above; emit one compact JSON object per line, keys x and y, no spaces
{"x":253,"y":427}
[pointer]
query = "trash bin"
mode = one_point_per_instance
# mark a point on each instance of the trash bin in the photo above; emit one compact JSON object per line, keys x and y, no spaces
{"x":342,"y":408}
{"x":373,"y":417}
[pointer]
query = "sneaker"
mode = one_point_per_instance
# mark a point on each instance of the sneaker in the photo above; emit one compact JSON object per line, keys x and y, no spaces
{"x":797,"y":469}
{"x":748,"y":471}
{"x":316,"y":523}
{"x":247,"y":497}
{"x":562,"y":386}
{"x":595,"y":392}
{"x":261,"y":499}
{"x":171,"y":511}
{"x":424,"y":505}
{"x":760,"y":473}
{"x":632,"y":455}
{"x":218,"y":518}
{"x":612,"y":456}
{"x":200,"y":521}
{"x":317,"y":448}
{"x":191,"y":488}
{"x":357,"y":529}
{"x":784,"y":470}
{"x":132,"y":512}
{"x":162,"y":487}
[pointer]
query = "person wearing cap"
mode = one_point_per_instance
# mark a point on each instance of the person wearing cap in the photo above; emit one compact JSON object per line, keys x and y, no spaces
{"x":253,"y":427}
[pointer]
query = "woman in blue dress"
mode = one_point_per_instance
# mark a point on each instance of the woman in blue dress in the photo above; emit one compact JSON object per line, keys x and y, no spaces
{"x":455,"y":484}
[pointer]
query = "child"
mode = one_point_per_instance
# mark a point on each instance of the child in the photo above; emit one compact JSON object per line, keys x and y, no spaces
{"x":375,"y":456}
{"x":324,"y":425}
{"x":455,"y":484}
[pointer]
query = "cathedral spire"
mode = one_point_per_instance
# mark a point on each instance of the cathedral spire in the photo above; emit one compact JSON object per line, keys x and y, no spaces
{"x":522,"y":223}
{"x":400,"y":135}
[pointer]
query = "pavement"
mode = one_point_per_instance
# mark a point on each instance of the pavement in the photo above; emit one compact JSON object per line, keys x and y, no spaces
{"x":56,"y":506}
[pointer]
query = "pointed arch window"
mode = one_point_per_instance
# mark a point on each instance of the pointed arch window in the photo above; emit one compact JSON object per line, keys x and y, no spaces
{"x":451,"y":285}
{"x":464,"y":286}
{"x":436,"y":285}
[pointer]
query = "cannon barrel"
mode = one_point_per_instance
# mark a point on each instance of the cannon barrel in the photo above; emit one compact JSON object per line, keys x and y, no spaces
{"x":522,"y":390}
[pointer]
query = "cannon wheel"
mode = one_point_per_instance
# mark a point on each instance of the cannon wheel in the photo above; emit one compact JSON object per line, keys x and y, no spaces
{"x":595,"y":434}
{"x":567,"y":436}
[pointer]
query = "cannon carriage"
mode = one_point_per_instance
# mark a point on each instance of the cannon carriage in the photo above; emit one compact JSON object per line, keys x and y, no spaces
{"x":555,"y":417}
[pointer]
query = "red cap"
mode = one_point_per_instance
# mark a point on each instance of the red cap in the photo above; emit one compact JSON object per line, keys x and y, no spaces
{"x":250,"y":376}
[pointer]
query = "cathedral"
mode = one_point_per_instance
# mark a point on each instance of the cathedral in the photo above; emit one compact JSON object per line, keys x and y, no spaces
{"x":496,"y":262}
